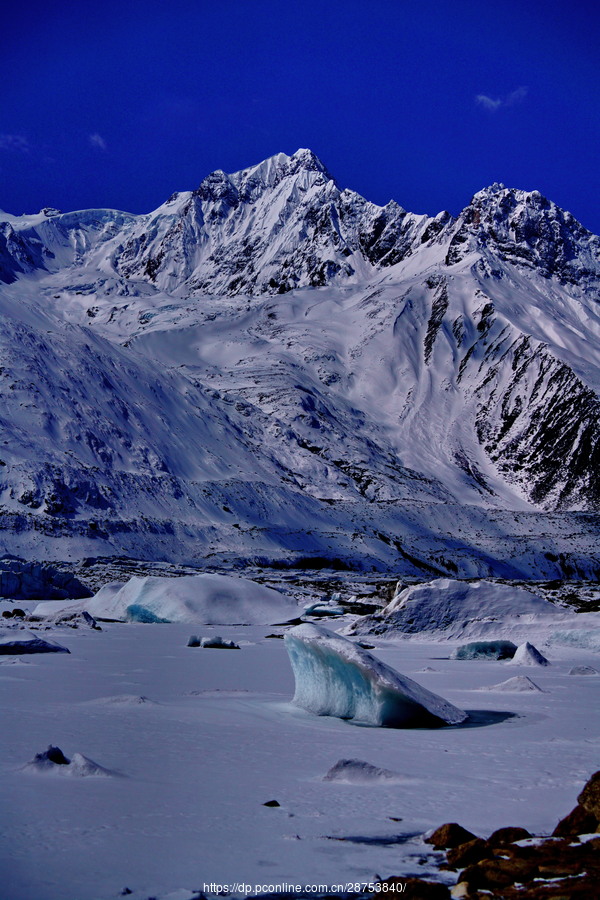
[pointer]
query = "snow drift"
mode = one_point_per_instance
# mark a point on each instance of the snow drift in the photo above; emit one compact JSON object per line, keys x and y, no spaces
{"x":357,"y":771}
{"x":335,"y":677}
{"x":14,"y":641}
{"x":196,"y":599}
{"x":528,"y":655}
{"x":53,"y":761}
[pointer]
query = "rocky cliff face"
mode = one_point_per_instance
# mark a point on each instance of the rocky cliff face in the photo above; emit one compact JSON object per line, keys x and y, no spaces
{"x":270,"y":338}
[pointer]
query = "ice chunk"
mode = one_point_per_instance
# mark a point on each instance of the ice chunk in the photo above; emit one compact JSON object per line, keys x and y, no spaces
{"x":196,"y":599}
{"x":453,"y":609}
{"x":17,"y":640}
{"x":335,"y":677}
{"x":528,"y":655}
{"x":356,"y":771}
{"x":520,"y":683}
{"x":217,"y":643}
{"x":485,"y":650}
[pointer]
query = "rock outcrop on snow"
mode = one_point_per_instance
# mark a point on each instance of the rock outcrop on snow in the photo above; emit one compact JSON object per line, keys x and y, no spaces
{"x":511,"y":864}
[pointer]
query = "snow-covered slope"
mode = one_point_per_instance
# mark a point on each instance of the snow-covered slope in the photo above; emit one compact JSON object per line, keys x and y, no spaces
{"x":270,"y":364}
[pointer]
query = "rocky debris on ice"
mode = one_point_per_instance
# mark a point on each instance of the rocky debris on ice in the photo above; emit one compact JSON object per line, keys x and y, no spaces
{"x":583,"y":670}
{"x":19,"y":640}
{"x":510,"y":864}
{"x":16,"y":613}
{"x":335,"y":677}
{"x":528,"y":655}
{"x":485,"y":650}
{"x":197,"y":599}
{"x":452,"y":609}
{"x":54,"y":761}
{"x":356,"y":771}
{"x":520,"y":683}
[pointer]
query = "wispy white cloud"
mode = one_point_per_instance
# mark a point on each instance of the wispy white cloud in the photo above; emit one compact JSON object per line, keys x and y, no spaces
{"x":15,"y":142}
{"x":492,"y":104}
{"x":96,"y":140}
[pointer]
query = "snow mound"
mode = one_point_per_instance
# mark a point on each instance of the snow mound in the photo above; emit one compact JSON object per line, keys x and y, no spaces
{"x":53,"y":761}
{"x":335,"y":677}
{"x":485,"y":650}
{"x":528,"y":655}
{"x":356,"y":771}
{"x":453,"y":609}
{"x":583,"y":670}
{"x":20,"y":641}
{"x":125,"y":700}
{"x":520,"y":684}
{"x":195,"y":599}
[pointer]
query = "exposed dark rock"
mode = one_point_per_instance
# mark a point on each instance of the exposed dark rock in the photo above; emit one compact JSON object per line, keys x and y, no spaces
{"x":579,"y":821}
{"x":508,"y":835}
{"x":469,"y":853}
{"x":449,"y":835}
{"x":589,"y":798}
{"x":53,"y":755}
{"x":498,"y":873}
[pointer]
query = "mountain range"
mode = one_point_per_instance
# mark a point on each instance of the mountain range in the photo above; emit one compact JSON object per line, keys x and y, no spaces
{"x":272,"y":369}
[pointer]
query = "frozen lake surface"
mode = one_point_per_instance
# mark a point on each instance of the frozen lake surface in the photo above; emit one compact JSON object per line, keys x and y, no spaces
{"x":218,"y":737}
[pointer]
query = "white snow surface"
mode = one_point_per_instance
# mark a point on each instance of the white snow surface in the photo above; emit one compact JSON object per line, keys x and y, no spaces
{"x":224,"y":737}
{"x":206,"y":599}
{"x":335,"y":677}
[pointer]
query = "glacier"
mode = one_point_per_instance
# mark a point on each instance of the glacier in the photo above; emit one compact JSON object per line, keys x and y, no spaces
{"x":335,"y":677}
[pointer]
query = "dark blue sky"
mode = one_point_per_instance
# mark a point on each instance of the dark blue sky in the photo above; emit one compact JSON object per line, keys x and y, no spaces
{"x":119,"y":104}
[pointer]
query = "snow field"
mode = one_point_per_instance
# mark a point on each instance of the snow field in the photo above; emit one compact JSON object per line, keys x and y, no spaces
{"x":223,"y":737}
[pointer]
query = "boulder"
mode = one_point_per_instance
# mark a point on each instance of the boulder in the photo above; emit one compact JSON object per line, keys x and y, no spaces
{"x":469,"y":853}
{"x":579,"y":821}
{"x":449,"y":835}
{"x":508,"y":835}
{"x":589,"y":798}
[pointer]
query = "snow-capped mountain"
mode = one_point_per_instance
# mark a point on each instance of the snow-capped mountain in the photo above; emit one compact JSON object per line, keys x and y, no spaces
{"x":270,"y":364}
